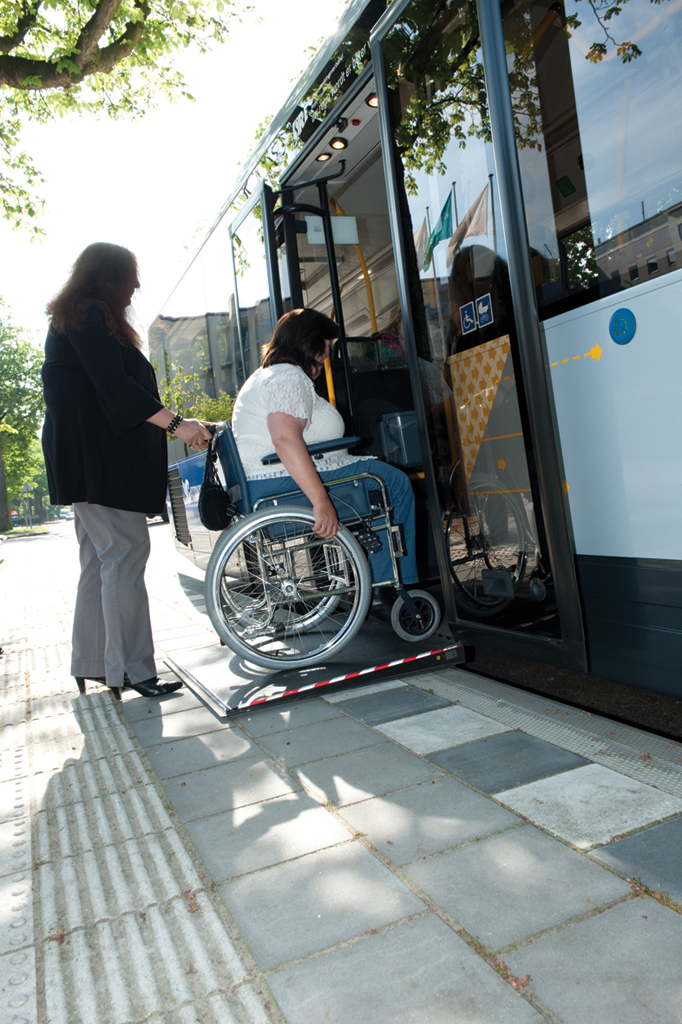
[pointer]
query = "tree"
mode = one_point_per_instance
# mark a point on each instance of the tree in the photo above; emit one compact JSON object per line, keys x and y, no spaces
{"x":21,"y":409}
{"x":97,"y":56}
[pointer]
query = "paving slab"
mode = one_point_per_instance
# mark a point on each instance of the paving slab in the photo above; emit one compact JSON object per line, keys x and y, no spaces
{"x":283,"y":717}
{"x":591,"y":805}
{"x":417,"y":973}
{"x":336,"y":696}
{"x":322,"y":739}
{"x":182,"y":756}
{"x":213,"y":790}
{"x":509,"y":759}
{"x":654,"y":857}
{"x":373,"y":771}
{"x":138,"y":708}
{"x":309,"y":904}
{"x":260,"y":835}
{"x":621,"y":966}
{"x":435,"y":730}
{"x":509,"y":887}
{"x":162,"y":728}
{"x":431,"y":817}
{"x":388,"y":705}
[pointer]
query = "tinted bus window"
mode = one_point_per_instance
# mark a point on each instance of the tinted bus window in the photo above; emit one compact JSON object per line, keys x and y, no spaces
{"x":255,"y":316}
{"x":597,"y":103}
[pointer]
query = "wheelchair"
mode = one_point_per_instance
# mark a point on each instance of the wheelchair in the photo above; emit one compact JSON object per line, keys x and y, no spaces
{"x":282,"y":597}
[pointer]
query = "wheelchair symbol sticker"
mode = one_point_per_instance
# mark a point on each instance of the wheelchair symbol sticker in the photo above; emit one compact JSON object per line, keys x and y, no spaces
{"x":468,"y":318}
{"x":484,"y":311}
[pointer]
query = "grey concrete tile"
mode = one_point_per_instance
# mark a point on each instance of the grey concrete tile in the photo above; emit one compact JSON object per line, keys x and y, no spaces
{"x":283,"y":717}
{"x":654,"y":857}
{"x":621,"y":966}
{"x":163,"y":728}
{"x":590,"y":805}
{"x":509,"y":887}
{"x":446,"y":727}
{"x":417,"y":973}
{"x":306,"y":905}
{"x":389,"y":705}
{"x":373,"y":771}
{"x":260,"y":835}
{"x":361,"y":691}
{"x":323,"y":739}
{"x":188,"y":755}
{"x":137,"y":708}
{"x":510,"y":759}
{"x":426,"y":819}
{"x":213,"y":790}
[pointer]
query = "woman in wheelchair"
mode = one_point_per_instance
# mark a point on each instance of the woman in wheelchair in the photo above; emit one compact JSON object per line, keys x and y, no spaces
{"x":288,"y":585}
{"x":279,"y":408}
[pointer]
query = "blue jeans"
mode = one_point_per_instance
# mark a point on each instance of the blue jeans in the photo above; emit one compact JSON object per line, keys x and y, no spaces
{"x":400,"y":495}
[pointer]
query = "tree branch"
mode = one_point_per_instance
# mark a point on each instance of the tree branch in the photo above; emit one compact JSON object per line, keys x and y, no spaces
{"x":25,"y":22}
{"x":93,"y":31}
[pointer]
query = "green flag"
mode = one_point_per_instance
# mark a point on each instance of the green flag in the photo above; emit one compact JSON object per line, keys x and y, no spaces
{"x":441,"y":232}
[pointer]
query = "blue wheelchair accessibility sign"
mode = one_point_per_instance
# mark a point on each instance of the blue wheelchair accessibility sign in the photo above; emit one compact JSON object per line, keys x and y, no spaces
{"x":484,"y":310}
{"x":468,"y":318}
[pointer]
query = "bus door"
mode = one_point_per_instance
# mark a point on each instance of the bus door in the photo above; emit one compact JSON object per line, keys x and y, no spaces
{"x":458,"y":314}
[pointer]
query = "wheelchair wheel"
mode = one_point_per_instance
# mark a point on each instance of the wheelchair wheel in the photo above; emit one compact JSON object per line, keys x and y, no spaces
{"x":492,"y":537}
{"x":407,"y":626}
{"x":280,"y":596}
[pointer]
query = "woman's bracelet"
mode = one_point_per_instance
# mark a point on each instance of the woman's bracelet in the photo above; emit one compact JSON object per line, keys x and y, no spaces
{"x":174,"y":423}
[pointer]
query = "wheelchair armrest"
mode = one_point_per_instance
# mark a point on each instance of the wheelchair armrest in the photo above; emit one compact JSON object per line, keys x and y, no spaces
{"x":319,"y":449}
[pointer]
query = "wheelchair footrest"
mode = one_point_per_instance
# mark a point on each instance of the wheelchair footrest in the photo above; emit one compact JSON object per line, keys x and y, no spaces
{"x":370,"y":541}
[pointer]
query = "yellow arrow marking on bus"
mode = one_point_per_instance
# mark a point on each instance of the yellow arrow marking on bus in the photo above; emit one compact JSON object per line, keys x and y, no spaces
{"x":594,"y":353}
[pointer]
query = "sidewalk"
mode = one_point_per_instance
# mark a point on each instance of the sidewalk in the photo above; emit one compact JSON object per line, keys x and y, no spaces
{"x":446,"y":850}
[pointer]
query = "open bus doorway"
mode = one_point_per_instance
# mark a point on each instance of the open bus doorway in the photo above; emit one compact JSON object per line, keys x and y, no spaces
{"x":335,"y":252}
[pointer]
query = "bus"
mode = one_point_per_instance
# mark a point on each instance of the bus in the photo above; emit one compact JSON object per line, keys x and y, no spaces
{"x":487,"y":198}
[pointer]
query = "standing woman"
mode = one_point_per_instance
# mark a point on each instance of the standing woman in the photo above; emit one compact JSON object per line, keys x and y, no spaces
{"x":104,"y":441}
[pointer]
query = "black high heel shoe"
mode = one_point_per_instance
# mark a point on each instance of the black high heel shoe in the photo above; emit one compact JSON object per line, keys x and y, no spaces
{"x":80,"y":681}
{"x":116,"y":691}
{"x":152,"y":687}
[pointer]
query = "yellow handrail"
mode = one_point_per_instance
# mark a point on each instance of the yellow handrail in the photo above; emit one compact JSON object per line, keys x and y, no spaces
{"x":365,"y":272}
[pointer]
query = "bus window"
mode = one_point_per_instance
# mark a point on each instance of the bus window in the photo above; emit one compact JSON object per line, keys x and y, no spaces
{"x":595,"y":102}
{"x":463,"y":318}
{"x":196,"y":329}
{"x":255,"y":315}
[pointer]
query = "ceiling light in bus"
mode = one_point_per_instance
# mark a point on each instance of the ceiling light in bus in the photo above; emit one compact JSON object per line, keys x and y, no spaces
{"x":323,"y":156}
{"x":372,"y":100}
{"x":338,"y":143}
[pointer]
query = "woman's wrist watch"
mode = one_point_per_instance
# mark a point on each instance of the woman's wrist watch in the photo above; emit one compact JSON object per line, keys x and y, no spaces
{"x":174,"y":423}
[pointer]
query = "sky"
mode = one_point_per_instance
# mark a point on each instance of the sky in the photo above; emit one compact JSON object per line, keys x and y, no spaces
{"x":156,"y":185}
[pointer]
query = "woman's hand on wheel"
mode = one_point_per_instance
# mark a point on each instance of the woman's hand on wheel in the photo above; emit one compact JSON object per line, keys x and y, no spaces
{"x":327,"y":524}
{"x":193,"y":433}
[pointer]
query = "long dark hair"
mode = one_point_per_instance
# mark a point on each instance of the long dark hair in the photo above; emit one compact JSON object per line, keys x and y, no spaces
{"x":104,"y":275}
{"x":298,"y":337}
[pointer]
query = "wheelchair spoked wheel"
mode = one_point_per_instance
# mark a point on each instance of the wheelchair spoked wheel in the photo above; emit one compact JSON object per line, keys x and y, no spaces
{"x":410,"y":628}
{"x":282,"y":597}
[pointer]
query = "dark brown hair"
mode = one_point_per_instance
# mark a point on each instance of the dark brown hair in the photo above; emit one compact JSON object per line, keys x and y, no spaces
{"x":298,"y":337}
{"x":104,"y":275}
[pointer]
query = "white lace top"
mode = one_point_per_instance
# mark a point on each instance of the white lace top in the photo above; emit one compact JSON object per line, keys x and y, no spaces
{"x":283,"y":388}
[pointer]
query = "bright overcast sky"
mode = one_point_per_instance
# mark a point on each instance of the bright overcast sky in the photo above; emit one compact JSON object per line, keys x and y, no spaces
{"x":154,"y":185}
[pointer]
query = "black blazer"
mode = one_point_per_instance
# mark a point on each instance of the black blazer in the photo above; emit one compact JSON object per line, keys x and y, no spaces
{"x":98,"y":446}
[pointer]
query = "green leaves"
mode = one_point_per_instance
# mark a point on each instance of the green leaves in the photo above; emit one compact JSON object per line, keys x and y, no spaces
{"x":89,"y":56}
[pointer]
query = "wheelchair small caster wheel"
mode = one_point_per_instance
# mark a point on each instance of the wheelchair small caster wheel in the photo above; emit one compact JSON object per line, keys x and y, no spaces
{"x":410,"y":628}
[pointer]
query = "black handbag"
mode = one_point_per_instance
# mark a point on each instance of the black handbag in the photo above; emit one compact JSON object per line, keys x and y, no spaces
{"x":216,"y":511}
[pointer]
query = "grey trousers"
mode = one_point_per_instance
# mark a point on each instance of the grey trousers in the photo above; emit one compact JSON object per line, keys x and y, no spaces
{"x":112,"y":631}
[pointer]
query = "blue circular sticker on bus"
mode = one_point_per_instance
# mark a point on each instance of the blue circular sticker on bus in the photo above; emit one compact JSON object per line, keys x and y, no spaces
{"x":622,"y":326}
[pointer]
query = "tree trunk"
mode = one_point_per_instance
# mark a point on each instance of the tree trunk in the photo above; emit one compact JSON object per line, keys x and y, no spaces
{"x":5,"y":517}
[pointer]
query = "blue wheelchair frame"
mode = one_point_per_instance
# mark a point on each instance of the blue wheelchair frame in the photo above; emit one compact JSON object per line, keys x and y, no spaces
{"x":350,"y":496}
